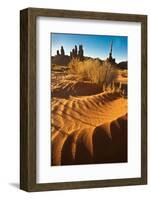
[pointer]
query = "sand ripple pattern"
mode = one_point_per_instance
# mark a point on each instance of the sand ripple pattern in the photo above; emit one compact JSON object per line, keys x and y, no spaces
{"x":89,"y":129}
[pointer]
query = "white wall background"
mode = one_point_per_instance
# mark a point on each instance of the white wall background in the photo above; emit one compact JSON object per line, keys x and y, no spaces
{"x":9,"y":98}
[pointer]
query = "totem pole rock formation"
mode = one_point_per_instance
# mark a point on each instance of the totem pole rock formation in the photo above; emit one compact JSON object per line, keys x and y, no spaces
{"x":58,"y":53}
{"x":81,"y":52}
{"x":75,"y":53}
{"x":62,"y":51}
{"x":110,"y":58}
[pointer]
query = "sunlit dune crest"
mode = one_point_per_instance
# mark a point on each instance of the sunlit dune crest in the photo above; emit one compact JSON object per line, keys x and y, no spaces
{"x":82,"y":125}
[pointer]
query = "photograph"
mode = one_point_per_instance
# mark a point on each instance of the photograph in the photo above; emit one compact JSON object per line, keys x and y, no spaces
{"x":89,"y":99}
{"x":83,"y":99}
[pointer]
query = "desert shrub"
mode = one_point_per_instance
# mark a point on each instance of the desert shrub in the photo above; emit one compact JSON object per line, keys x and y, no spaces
{"x":124,"y":73}
{"x":103,"y":74}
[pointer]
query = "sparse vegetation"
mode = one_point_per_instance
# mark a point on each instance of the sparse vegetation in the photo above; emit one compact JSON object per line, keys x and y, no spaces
{"x":124,"y":73}
{"x":102,"y":74}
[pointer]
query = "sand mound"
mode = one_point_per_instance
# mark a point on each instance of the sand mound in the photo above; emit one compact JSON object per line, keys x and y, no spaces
{"x":89,"y":129}
{"x":75,"y":88}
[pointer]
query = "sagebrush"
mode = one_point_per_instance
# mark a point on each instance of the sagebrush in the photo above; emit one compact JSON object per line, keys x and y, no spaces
{"x":102,"y":73}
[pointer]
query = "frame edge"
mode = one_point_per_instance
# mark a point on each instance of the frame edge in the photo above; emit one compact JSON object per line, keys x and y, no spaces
{"x":27,"y":101}
{"x":27,"y":59}
{"x":23,"y":99}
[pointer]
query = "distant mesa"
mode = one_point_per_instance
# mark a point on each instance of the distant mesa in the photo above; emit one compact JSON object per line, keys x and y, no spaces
{"x":60,"y":58}
{"x":122,"y":65}
{"x":78,"y":53}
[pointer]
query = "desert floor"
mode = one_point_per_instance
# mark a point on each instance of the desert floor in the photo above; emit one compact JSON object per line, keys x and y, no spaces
{"x":88,"y":126}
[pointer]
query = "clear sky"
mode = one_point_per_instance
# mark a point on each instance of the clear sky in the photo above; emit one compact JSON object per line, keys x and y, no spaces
{"x":96,"y":46}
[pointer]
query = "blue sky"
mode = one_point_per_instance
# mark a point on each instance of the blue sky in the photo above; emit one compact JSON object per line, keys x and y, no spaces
{"x":96,"y":46}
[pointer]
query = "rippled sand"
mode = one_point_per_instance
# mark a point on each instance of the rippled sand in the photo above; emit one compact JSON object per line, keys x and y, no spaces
{"x":89,"y":129}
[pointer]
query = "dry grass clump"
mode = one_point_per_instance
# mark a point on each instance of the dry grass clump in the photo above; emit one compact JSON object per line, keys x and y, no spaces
{"x":124,"y":73}
{"x":102,"y":74}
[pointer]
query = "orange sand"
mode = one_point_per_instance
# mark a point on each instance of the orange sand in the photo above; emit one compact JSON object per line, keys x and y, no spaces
{"x":89,"y":129}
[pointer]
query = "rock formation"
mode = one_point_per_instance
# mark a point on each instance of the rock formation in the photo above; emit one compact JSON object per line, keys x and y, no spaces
{"x":110,"y":58}
{"x":62,"y":51}
{"x":75,"y":53}
{"x":81,"y":52}
{"x":58,"y":53}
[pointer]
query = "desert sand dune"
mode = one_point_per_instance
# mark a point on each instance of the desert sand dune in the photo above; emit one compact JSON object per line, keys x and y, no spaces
{"x":74,"y":88}
{"x":89,"y":129}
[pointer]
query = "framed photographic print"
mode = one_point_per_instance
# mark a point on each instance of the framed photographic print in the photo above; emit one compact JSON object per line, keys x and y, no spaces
{"x":83,"y":99}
